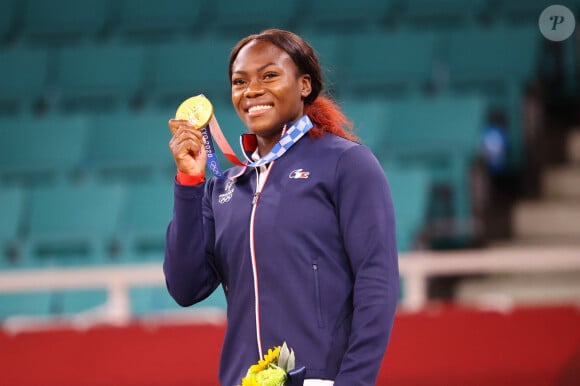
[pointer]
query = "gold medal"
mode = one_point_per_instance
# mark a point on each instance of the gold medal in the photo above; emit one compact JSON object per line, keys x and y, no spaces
{"x":198,"y":110}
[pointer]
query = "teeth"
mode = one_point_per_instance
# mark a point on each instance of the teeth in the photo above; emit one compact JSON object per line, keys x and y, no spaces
{"x":258,"y":107}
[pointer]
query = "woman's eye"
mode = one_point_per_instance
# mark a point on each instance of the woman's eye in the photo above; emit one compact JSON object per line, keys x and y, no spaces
{"x":270,"y":75}
{"x":237,"y":82}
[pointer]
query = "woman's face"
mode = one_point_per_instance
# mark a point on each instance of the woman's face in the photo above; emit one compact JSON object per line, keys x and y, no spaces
{"x":267,"y":89}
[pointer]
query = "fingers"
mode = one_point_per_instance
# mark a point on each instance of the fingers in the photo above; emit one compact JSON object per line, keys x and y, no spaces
{"x":185,"y":142}
{"x":184,"y":134}
{"x":176,"y":124}
{"x":187,"y":148}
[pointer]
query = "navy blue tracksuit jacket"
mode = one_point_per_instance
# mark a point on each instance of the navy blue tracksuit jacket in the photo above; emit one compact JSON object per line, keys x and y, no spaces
{"x":311,"y":260}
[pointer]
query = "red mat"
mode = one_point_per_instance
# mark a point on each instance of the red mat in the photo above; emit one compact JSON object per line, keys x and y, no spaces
{"x":440,"y":346}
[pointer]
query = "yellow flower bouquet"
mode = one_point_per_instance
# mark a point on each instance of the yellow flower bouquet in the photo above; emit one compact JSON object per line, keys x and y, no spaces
{"x":276,"y":369}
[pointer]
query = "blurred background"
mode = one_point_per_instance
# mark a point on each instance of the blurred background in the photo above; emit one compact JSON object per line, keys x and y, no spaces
{"x":473,"y":113}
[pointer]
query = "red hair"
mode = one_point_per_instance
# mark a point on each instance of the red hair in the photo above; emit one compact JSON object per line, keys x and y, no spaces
{"x":327,"y":117}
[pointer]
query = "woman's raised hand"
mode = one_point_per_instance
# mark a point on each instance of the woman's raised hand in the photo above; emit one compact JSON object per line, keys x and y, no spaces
{"x":187,"y":148}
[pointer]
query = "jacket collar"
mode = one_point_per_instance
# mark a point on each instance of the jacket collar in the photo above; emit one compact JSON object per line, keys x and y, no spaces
{"x":249,"y":144}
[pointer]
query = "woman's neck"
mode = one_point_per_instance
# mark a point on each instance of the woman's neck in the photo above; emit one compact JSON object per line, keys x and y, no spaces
{"x":265,"y":144}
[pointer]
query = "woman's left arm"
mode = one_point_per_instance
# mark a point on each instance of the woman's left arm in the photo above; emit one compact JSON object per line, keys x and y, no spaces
{"x":367,"y":222}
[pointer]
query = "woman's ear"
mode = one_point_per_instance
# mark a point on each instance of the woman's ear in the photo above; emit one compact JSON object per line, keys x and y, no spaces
{"x":306,"y":85}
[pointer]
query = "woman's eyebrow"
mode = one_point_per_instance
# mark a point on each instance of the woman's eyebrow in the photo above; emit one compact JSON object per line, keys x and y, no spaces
{"x":261,"y":68}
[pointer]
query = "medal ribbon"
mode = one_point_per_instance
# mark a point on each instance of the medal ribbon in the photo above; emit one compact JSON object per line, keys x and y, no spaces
{"x":213,"y":130}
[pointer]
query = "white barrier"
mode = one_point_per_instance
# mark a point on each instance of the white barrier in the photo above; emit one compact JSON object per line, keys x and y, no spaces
{"x":117,"y":279}
{"x":415,"y":268}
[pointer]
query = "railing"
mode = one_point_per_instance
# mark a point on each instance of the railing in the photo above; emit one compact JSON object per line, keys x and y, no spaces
{"x":117,"y":279}
{"x":415,"y":269}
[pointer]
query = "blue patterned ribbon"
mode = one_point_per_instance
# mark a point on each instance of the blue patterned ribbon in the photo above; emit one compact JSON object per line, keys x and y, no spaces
{"x":288,"y":139}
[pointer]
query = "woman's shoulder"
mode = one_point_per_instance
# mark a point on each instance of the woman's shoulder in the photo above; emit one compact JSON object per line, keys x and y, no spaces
{"x":342,"y":147}
{"x":333,"y":141}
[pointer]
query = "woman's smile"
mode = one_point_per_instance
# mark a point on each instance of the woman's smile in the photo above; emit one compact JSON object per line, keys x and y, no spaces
{"x":257,"y":110}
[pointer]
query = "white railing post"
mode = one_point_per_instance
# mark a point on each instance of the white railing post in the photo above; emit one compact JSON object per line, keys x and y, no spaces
{"x":414,"y":291}
{"x":118,"y":307}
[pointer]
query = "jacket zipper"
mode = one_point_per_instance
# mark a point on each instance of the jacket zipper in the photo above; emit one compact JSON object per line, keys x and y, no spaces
{"x":255,"y":199}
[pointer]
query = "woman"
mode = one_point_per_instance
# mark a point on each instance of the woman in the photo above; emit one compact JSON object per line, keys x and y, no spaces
{"x":304,"y":246}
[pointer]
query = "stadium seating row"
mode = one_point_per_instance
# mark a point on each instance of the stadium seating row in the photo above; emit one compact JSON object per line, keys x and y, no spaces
{"x":402,"y":62}
{"x":34,"y":150}
{"x":102,"y":77}
{"x":121,"y":146}
{"x":436,"y":138}
{"x":84,"y":225}
{"x":108,"y":223}
{"x":64,"y":20}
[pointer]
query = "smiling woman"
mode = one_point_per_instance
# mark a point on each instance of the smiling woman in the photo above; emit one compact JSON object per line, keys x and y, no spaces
{"x":304,"y":245}
{"x":267,"y":90}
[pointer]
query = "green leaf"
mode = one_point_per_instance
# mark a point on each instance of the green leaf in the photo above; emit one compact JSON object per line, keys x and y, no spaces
{"x":291,"y":361}
{"x":283,"y":357}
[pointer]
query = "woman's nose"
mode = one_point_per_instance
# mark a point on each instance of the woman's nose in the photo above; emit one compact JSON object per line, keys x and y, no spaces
{"x":254,"y":89}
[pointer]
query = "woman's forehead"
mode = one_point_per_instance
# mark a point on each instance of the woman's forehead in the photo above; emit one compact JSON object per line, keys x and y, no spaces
{"x":258,"y":53}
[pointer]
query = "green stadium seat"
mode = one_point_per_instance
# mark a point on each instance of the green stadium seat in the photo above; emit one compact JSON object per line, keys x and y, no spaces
{"x":25,"y":304}
{"x":38,"y":150}
{"x":130,"y":147}
{"x":63,"y":21}
{"x":435,"y":125}
{"x":72,"y":225}
{"x":12,"y":209}
{"x":423,"y":14}
{"x":96,"y":77}
{"x":332,"y":56}
{"x":151,"y":300}
{"x":187,"y":68}
{"x":146,"y":215}
{"x":503,"y":61}
{"x":155,"y":19}
{"x":23,"y":78}
{"x":331,"y":15}
{"x":7,"y":19}
{"x":50,"y":304}
{"x":442,"y":134}
{"x":370,"y":119}
{"x":410,"y":190}
{"x":401,"y":64}
{"x":70,"y":302}
{"x":240,"y":19}
{"x":497,"y":56}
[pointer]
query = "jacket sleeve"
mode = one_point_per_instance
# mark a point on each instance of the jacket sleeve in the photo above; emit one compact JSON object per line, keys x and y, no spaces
{"x":189,"y":267}
{"x":367,"y":222}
